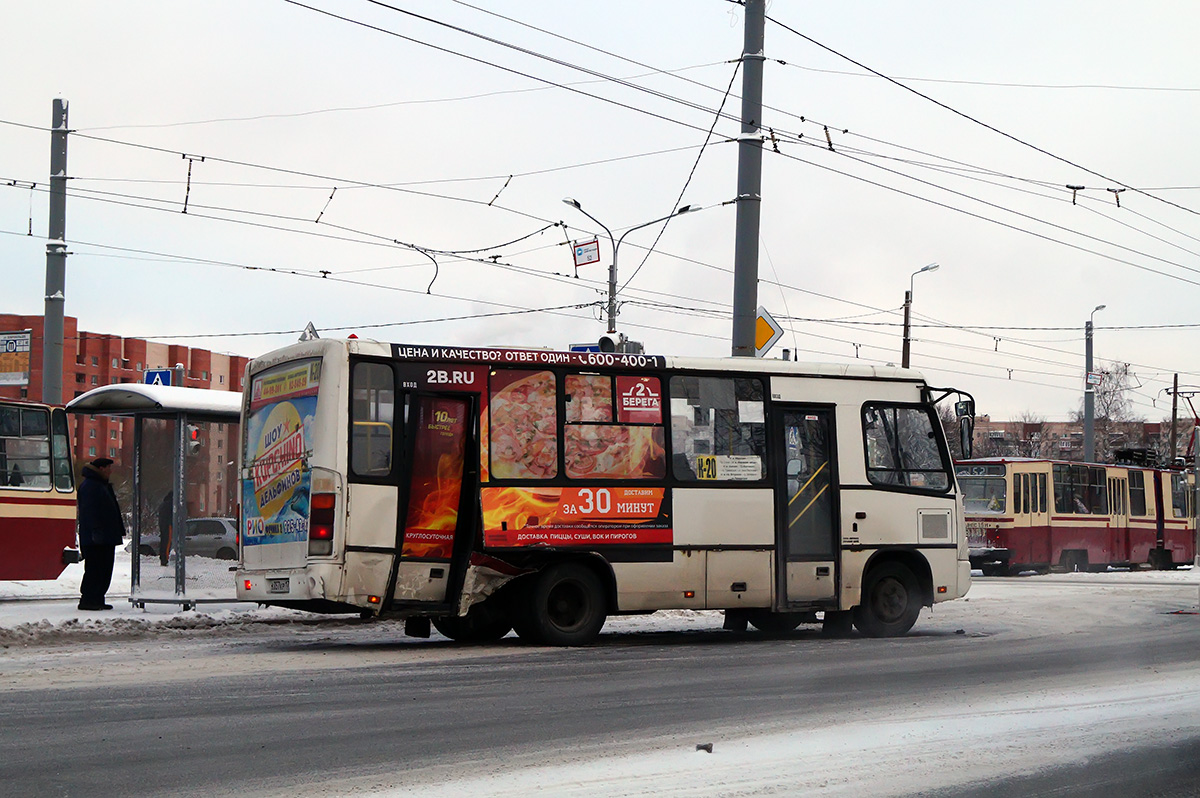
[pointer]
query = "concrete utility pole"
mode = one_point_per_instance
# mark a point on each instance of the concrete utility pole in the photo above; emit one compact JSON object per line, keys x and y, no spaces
{"x":1089,"y":393}
{"x":56,"y":261}
{"x":1174,"y":415}
{"x":749,"y":184}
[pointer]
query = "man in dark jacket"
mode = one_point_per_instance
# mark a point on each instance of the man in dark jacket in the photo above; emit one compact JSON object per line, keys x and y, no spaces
{"x":101,"y":530}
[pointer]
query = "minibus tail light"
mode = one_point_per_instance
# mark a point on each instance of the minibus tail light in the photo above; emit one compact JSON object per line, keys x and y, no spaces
{"x":320,"y":526}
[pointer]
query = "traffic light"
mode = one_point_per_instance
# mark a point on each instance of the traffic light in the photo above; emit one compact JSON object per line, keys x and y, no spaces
{"x":611,"y":342}
{"x":193,"y":439}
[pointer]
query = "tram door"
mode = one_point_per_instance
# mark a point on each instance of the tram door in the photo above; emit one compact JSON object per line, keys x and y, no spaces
{"x":1031,"y":516}
{"x":1118,"y":530}
{"x":808,"y":500}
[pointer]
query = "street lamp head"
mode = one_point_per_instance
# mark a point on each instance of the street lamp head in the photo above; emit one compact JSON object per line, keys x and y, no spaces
{"x":574,"y":203}
{"x":1099,"y":307}
{"x":929,"y":267}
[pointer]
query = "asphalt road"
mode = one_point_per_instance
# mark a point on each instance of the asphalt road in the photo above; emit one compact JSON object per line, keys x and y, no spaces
{"x":278,"y":711}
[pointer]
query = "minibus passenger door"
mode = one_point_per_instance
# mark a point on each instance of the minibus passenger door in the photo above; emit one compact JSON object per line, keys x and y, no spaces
{"x":433,"y":536}
{"x":808,"y":501}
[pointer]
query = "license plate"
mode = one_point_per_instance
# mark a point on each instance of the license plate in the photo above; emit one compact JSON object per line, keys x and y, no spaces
{"x":278,"y":586}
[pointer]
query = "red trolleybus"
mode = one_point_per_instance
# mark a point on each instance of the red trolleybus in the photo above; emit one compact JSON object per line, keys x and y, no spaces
{"x":491,"y":489}
{"x":37,"y":492}
{"x":1029,"y":514}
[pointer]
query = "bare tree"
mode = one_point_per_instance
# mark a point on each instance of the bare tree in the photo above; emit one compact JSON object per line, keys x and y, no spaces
{"x":1030,"y":439}
{"x":950,"y":427}
{"x":1115,"y":424}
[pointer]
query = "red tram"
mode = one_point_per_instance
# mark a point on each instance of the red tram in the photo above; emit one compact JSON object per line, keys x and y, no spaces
{"x":1033,"y":514}
{"x":37,"y":492}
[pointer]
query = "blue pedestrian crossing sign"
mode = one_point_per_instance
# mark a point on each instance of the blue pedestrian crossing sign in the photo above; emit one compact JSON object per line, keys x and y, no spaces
{"x":157,"y":376}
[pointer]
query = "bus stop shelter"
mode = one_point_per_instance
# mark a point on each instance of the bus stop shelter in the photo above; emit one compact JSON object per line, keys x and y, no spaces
{"x":183,"y":476}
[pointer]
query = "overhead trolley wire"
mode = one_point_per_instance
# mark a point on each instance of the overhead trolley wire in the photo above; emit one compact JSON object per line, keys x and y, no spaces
{"x":981,"y":123}
{"x":513,"y":71}
{"x":981,"y":217}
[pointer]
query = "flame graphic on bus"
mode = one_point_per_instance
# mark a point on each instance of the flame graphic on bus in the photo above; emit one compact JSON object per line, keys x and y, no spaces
{"x":436,"y":483}
{"x":517,"y":508}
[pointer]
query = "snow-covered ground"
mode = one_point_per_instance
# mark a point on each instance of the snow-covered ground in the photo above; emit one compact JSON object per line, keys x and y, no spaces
{"x":42,"y":608}
{"x":892,"y":750}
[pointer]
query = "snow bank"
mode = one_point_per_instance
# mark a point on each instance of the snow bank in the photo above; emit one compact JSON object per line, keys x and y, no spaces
{"x":44,"y":612}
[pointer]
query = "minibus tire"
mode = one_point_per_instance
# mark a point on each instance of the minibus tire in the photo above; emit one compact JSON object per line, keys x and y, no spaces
{"x":567,"y":605}
{"x":891,"y":601}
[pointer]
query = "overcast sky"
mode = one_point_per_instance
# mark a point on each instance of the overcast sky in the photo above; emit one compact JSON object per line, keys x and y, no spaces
{"x":419,"y":127}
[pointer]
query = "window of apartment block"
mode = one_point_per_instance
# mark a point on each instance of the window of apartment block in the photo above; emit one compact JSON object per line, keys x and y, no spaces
{"x":91,"y":433}
{"x":112,"y":434}
{"x":221,"y":380}
{"x":91,"y":451}
{"x":204,"y":375}
{"x":139,"y":365}
{"x":95,"y":361}
{"x":79,"y":378}
{"x":94,"y":379}
{"x":116,"y":363}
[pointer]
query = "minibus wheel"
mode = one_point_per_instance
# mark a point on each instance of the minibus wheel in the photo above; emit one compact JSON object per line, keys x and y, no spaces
{"x":891,"y":601}
{"x":566,"y":605}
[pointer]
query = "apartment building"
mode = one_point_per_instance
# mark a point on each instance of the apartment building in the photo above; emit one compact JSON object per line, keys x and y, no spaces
{"x":92,"y":359}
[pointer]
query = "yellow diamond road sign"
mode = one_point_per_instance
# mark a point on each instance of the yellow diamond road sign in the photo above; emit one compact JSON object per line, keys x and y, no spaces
{"x":766,"y":332}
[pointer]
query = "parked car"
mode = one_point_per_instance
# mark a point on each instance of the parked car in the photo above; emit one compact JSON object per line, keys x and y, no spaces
{"x":206,"y":537}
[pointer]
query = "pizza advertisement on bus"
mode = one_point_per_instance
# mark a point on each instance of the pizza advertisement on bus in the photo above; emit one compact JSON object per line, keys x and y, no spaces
{"x":522,"y":425}
{"x":275,"y":493}
{"x":585,"y":516}
{"x":437,"y":478}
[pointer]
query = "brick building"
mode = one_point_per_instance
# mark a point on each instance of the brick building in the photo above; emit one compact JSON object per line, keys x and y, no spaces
{"x":93,"y":359}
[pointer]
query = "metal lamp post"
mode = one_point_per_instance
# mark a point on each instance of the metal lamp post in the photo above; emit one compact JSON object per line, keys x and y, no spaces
{"x":1089,"y":392}
{"x":616,"y":244}
{"x":932,"y":267}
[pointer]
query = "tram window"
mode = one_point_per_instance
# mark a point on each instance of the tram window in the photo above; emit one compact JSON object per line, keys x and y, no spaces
{"x":1097,"y":495}
{"x":64,"y":479}
{"x":10,"y":421}
{"x":1137,"y":493}
{"x":983,"y":494}
{"x":1080,"y":489}
{"x":1041,"y":479}
{"x":1033,"y":492}
{"x":718,"y":428}
{"x":625,"y":438}
{"x":902,"y":448}
{"x":1017,"y":493}
{"x":1179,"y":496}
{"x":25,"y":448}
{"x":373,"y":416}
